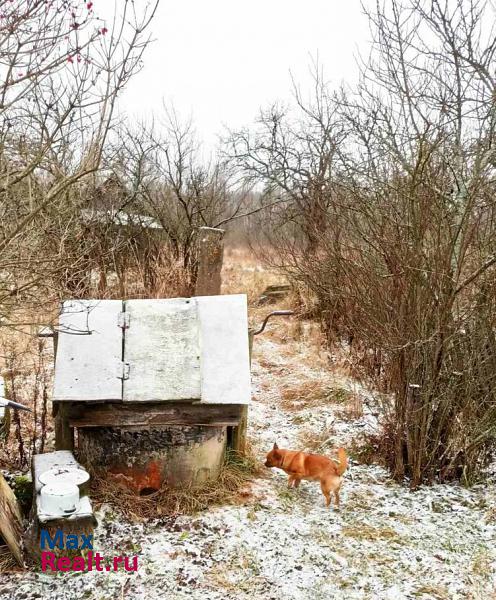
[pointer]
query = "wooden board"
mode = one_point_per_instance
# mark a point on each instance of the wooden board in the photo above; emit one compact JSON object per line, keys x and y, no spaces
{"x":157,"y":413}
{"x":161,"y":346}
{"x":225,"y":360}
{"x":89,"y":351}
{"x":10,"y":520}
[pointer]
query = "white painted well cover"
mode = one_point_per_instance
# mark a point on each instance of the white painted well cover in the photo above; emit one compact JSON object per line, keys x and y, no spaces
{"x":162,"y":347}
{"x":170,"y":350}
{"x":225,"y":360}
{"x":89,"y":351}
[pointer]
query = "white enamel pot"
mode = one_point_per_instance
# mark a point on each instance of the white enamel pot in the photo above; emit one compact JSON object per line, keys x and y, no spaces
{"x":59,"y":498}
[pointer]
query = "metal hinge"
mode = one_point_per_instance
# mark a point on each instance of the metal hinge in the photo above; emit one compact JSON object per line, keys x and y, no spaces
{"x":123,"y":370}
{"x":123,"y":320}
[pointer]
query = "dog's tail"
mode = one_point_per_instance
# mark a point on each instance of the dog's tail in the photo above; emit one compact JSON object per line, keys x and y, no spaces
{"x":343,"y":461}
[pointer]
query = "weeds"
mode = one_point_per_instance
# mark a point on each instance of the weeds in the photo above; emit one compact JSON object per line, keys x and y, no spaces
{"x":28,"y":376}
{"x":235,"y":473}
{"x":363,"y":531}
{"x":312,"y":441}
{"x":7,"y":560}
{"x":312,"y":392}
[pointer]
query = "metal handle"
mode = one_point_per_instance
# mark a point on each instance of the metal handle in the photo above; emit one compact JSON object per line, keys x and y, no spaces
{"x":15,"y":405}
{"x":276,"y":313}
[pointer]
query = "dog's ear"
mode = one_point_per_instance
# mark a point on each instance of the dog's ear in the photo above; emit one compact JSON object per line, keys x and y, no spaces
{"x":276,"y":447}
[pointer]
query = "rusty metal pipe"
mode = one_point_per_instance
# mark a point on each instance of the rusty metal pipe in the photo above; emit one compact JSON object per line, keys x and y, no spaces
{"x":276,"y":313}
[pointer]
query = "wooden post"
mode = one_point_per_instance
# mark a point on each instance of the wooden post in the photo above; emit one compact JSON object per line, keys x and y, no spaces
{"x":64,"y":434}
{"x":211,"y":254}
{"x":239,"y":432}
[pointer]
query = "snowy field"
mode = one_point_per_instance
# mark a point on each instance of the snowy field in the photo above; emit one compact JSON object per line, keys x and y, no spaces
{"x":384,"y":543}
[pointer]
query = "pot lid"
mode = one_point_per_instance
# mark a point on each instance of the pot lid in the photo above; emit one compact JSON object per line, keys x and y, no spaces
{"x":68,"y":474}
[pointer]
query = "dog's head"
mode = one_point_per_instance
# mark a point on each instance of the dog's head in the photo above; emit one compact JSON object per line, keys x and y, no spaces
{"x":274,"y":457}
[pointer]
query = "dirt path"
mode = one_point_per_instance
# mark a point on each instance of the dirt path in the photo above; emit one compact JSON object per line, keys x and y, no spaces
{"x":384,"y":543}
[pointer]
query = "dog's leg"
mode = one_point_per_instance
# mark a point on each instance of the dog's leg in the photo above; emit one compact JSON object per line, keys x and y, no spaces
{"x":291,"y":481}
{"x":297,"y":481}
{"x":325,"y":490}
{"x":334,"y":485}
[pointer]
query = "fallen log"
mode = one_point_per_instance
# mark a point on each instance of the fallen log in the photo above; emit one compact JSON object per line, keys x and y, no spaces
{"x":10,"y":521}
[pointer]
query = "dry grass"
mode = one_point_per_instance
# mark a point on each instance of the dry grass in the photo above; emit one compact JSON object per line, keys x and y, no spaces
{"x":299,"y":343}
{"x":363,"y":531}
{"x":432,"y":591}
{"x":365,"y":450}
{"x":7,"y":561}
{"x":242,"y":574}
{"x":352,"y":410}
{"x":312,"y":392}
{"x":481,"y":563}
{"x":242,"y":273}
{"x":162,"y":275}
{"x":27,"y":367}
{"x":311,"y":441}
{"x":269,"y":363}
{"x":234,"y":475}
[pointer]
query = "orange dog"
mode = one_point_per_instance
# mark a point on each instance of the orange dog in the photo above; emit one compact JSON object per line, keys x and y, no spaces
{"x":299,"y":465}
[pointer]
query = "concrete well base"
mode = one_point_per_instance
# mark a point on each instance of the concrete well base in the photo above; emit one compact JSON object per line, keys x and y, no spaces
{"x":145,"y":459}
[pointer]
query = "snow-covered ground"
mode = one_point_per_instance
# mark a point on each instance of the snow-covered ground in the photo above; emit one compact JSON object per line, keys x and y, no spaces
{"x":385,"y":542}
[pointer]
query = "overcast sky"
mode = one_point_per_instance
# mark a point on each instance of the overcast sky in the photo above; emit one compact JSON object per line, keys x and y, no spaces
{"x":220,"y":60}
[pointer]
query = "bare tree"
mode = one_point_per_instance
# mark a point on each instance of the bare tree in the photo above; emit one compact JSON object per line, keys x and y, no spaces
{"x":62,"y":70}
{"x":294,"y":152}
{"x":422,"y":220}
{"x":168,"y":180}
{"x":403,"y":243}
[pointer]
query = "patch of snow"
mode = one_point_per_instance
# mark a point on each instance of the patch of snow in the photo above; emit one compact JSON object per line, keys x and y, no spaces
{"x":385,"y":542}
